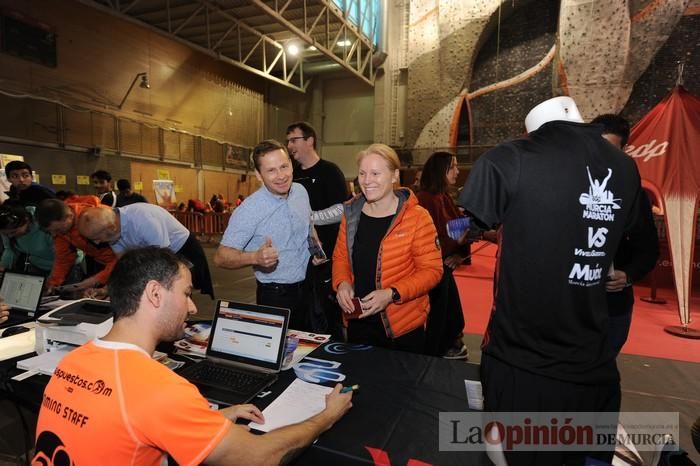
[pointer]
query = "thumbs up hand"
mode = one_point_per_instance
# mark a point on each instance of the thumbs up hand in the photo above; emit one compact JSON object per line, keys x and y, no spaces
{"x":267,"y":255}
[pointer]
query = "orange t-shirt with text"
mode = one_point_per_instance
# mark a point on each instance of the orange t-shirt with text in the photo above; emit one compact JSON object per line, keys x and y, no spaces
{"x":111,"y":403}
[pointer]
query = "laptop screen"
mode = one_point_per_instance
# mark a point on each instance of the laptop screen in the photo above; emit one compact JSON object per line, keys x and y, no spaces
{"x":249,"y":333}
{"x":21,"y":291}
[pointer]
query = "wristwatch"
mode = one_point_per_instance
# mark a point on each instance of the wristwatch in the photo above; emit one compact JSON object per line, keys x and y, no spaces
{"x":395,"y":296}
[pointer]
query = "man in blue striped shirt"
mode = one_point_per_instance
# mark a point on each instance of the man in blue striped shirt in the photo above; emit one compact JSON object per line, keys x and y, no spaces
{"x":270,"y":231}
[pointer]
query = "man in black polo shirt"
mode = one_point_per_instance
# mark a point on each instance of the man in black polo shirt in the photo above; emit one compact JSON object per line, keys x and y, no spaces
{"x":325,"y":183}
{"x":563,"y":198}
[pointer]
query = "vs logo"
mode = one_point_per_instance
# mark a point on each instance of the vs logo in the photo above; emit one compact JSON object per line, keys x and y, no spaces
{"x":597,"y":237}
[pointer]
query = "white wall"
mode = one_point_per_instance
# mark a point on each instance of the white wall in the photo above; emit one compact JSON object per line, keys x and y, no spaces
{"x":347,"y":121}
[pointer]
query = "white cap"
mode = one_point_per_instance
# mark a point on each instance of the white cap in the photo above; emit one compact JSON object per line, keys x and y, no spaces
{"x":557,"y":108}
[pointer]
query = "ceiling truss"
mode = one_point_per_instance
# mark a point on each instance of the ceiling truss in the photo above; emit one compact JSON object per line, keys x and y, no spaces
{"x":253,"y":34}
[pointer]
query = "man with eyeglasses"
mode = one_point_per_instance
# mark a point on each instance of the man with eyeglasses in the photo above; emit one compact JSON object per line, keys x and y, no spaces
{"x":24,"y":189}
{"x":325,"y":184}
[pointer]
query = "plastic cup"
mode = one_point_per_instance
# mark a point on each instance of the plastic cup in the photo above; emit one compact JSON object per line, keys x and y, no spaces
{"x":457,"y":227}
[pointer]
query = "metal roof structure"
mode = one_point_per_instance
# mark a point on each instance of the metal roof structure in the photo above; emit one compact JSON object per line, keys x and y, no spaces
{"x":256,"y":35}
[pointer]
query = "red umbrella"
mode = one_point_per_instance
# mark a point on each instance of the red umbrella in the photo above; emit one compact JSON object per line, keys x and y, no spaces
{"x":665,"y":146}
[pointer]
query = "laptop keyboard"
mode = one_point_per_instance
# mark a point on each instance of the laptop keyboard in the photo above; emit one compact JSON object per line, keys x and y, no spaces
{"x":226,"y":378}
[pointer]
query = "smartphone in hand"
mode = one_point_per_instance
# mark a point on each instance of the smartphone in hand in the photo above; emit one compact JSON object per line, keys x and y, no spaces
{"x":316,"y":249}
{"x":357,"y":309}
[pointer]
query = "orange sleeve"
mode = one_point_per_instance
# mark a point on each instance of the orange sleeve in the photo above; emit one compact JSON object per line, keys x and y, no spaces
{"x":64,"y":259}
{"x":109,"y":259}
{"x":427,"y":259}
{"x":341,"y":262}
{"x":176,"y":418}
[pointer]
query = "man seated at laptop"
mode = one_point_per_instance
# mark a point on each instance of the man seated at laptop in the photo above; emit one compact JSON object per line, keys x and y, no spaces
{"x":110,"y":400}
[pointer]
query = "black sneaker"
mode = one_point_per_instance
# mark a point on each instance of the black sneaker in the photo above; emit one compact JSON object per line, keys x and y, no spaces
{"x":457,"y":353}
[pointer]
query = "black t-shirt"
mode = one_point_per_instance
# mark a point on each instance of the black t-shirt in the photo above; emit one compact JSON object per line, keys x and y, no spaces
{"x":636,"y":256}
{"x":370,"y":232}
{"x":564,"y":198}
{"x":133,"y":198}
{"x":325,"y":184}
{"x":30,"y":196}
{"x":109,"y":198}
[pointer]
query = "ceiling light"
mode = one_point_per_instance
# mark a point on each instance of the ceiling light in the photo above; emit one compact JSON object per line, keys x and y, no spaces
{"x":344,"y":43}
{"x":312,"y":48}
{"x":293,"y":49}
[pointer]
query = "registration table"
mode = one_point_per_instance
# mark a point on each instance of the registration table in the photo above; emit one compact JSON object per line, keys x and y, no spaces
{"x":394,"y":418}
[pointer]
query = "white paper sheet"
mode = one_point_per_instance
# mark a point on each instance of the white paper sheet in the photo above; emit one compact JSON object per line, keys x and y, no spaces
{"x":300,"y":401}
{"x":45,"y":363}
{"x":475,"y":398}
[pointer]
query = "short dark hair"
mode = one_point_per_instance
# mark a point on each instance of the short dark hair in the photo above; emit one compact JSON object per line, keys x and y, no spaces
{"x":13,"y":216}
{"x":614,"y":124}
{"x":266,"y":146}
{"x":16,"y":165}
{"x":306,"y":129}
{"x":49,"y":211}
{"x":102,"y":175}
{"x":123,"y":185}
{"x":434,"y":176}
{"x":134,"y":270}
{"x":64,"y":194}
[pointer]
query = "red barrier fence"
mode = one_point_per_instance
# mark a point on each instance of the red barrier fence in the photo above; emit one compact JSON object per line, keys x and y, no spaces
{"x":204,"y":225}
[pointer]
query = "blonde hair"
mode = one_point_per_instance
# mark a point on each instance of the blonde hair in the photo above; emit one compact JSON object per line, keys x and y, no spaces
{"x":385,"y":152}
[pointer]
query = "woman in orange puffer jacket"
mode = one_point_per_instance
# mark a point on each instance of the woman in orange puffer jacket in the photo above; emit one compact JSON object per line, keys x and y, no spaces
{"x":388,"y":255}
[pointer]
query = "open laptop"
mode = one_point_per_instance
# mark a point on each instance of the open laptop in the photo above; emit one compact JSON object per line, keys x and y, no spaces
{"x":244,"y":353}
{"x":23,"y":294}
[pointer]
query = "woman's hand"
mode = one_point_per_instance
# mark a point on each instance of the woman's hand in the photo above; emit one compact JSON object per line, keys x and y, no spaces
{"x":345,"y":294}
{"x":453,"y":261}
{"x":375,"y":302}
{"x":248,"y":411}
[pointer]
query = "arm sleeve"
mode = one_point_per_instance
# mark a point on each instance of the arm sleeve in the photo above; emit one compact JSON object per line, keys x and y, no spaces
{"x":109,"y":259}
{"x":643,"y":242}
{"x":489,"y":186}
{"x":45,"y":253}
{"x":427,"y":259}
{"x":431,"y":203}
{"x":240,"y":230}
{"x":180,"y":422}
{"x":64,"y":258}
{"x":328,"y":216}
{"x":341,"y":263}
{"x":8,"y":254}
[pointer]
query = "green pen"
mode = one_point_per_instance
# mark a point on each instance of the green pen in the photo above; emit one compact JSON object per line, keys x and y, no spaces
{"x":351,"y":388}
